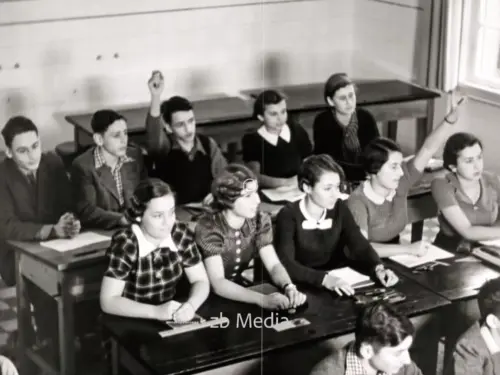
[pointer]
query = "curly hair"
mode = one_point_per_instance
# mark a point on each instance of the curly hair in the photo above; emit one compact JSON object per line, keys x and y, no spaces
{"x":228,"y":186}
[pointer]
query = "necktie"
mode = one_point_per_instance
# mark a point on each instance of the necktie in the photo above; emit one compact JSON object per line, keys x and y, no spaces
{"x":32,"y":179}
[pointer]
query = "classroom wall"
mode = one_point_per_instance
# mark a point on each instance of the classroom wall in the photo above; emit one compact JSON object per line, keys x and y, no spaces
{"x":391,"y":38}
{"x":57,"y":58}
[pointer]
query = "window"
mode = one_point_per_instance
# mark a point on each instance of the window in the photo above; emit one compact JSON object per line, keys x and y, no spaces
{"x":480,"y":64}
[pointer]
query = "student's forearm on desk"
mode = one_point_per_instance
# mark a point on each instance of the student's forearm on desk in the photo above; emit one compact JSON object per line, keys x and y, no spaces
{"x":481,"y":233}
{"x":198,"y":293}
{"x":122,"y":306}
{"x":279,"y":276}
{"x":230,"y":290}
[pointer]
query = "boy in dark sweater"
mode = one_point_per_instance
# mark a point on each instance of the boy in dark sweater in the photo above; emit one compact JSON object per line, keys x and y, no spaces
{"x":275,"y":151}
{"x":477,"y":351}
{"x":382,"y":342}
{"x":187,"y":161}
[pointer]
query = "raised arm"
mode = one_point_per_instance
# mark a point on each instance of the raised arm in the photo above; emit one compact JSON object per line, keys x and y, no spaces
{"x":432,"y":143}
{"x":157,"y":139}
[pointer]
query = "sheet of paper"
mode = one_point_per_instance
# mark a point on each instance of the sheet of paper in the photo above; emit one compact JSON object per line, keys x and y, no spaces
{"x":81,"y":240}
{"x":433,"y":253}
{"x":196,"y":205}
{"x":495,"y":242}
{"x":285,"y":193}
{"x":350,"y":275}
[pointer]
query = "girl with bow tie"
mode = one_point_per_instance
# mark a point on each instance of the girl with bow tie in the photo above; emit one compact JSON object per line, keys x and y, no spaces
{"x":236,"y":233}
{"x":311,"y":234}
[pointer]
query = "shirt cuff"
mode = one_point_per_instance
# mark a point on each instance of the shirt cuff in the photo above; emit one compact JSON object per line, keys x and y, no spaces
{"x":46,"y":232}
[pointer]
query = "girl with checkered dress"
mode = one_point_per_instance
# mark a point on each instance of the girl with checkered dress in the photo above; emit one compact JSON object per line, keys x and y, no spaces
{"x":148,"y":259}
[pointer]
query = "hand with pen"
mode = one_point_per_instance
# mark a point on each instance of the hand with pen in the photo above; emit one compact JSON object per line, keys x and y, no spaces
{"x":172,"y":311}
{"x":67,"y":226}
{"x":385,"y":276}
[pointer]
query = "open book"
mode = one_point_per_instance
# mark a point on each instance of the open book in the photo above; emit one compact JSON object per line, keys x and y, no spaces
{"x":433,"y":253}
{"x":354,"y":278}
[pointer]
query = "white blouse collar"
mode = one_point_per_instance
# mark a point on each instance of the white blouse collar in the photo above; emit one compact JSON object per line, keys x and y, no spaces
{"x":312,"y":223}
{"x":146,"y":247}
{"x":374,"y":196}
{"x":273,"y":138}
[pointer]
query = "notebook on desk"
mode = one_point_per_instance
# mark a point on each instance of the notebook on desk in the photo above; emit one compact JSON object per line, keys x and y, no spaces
{"x":354,"y":278}
{"x":433,"y":253}
{"x":488,"y":251}
{"x":282,"y":194}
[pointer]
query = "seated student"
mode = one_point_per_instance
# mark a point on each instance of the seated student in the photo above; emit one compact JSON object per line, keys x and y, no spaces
{"x":275,"y":151}
{"x":35,"y":192}
{"x":379,"y":205}
{"x":382,"y":342}
{"x":105,"y":176}
{"x":477,"y":351}
{"x":148,"y":258}
{"x":237,"y":232}
{"x":343,"y":131}
{"x":187,"y":161}
{"x":467,"y":197}
{"x":311,"y":233}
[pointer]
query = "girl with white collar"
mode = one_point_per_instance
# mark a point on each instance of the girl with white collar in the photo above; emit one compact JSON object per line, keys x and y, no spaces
{"x":148,"y":259}
{"x":275,"y":151}
{"x":311,"y":234}
{"x":379,"y":204}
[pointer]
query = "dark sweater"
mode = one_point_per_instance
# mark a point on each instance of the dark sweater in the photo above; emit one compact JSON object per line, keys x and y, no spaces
{"x":308,"y":254}
{"x":282,"y":160}
{"x":328,"y":136}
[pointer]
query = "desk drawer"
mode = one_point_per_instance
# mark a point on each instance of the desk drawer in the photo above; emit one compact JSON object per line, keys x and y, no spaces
{"x":45,"y":277}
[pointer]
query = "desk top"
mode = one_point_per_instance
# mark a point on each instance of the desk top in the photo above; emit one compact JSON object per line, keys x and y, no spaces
{"x":460,"y":280}
{"x":310,"y":96}
{"x":205,"y":349}
{"x":216,"y":110}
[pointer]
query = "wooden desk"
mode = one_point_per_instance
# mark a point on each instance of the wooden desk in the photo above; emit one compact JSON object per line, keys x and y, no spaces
{"x":388,"y":101}
{"x":214,"y":117}
{"x":237,"y":349}
{"x":67,"y":278}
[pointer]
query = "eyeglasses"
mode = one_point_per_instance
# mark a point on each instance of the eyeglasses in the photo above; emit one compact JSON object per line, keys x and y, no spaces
{"x":250,"y":186}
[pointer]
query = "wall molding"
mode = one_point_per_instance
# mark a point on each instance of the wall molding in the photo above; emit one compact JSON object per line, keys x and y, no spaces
{"x":48,"y":11}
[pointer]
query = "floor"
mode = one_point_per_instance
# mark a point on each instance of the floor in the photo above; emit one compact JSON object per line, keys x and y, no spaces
{"x":8,"y":322}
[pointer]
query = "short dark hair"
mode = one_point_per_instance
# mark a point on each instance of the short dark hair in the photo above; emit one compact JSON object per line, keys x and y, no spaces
{"x":265,"y":98}
{"x":380,"y":325}
{"x":102,"y":120}
{"x":376,"y":154}
{"x":17,"y":125}
{"x":314,"y":166}
{"x":228,"y":185}
{"x":455,"y":144}
{"x":172,"y":105}
{"x":147,"y":190}
{"x":335,"y":82}
{"x":488,"y":298}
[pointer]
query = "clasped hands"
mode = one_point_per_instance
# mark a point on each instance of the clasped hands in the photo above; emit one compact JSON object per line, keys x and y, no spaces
{"x":290,"y":299}
{"x":68,"y":226}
